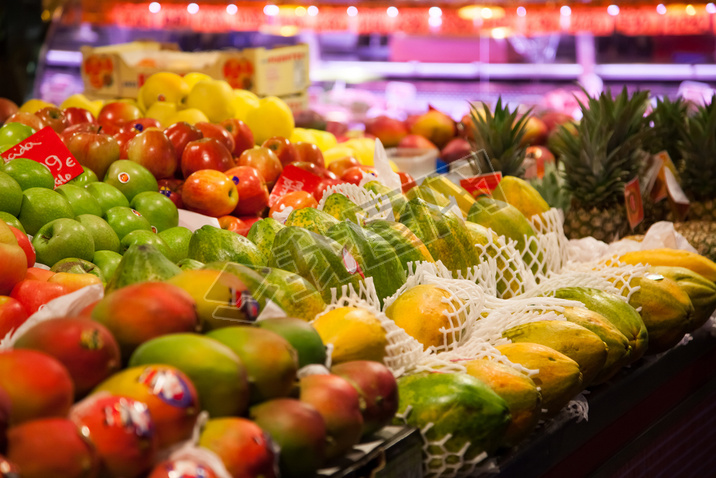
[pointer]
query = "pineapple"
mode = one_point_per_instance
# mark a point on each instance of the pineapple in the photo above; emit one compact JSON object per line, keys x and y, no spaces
{"x":701,"y":235}
{"x":697,"y":166}
{"x":603,"y":155}
{"x":496,"y":139}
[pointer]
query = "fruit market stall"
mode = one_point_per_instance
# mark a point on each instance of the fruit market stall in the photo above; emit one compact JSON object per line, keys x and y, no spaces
{"x":208,"y":286}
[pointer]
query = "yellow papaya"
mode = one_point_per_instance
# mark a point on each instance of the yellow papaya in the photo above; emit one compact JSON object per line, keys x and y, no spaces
{"x":673,"y":257}
{"x":520,"y":194}
{"x":509,"y":279}
{"x":355,"y":333}
{"x":574,"y":341}
{"x":443,"y":185}
{"x":700,"y":290}
{"x":558,"y":376}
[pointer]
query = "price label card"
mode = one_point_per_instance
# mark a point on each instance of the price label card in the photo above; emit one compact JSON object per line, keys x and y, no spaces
{"x":47,"y":148}
{"x":483,"y":184}
{"x":634,"y":206}
{"x":292,"y":179}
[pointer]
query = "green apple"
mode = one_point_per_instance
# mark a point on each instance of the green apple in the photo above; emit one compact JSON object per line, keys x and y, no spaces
{"x":81,"y":200}
{"x":160,"y":211}
{"x":60,"y":239}
{"x":131,"y":178}
{"x":11,"y":220}
{"x":87,"y":176}
{"x":107,"y":195}
{"x":102,"y":233}
{"x":40,"y":206}
{"x":75,"y":265}
{"x":141,"y":236}
{"x":107,"y":261}
{"x":29,"y":174}
{"x":12,"y":133}
{"x":125,"y":220}
{"x":177,"y":238}
{"x":10,"y":194}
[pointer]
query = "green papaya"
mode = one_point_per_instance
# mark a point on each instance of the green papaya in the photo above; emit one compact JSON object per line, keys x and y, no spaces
{"x":396,"y":198}
{"x":406,"y":244}
{"x":141,"y":263}
{"x":701,"y":291}
{"x":263,"y":232}
{"x":342,"y":208}
{"x":211,"y":244}
{"x":428,"y":194}
{"x":311,"y":219}
{"x":444,"y":234}
{"x":190,"y":264}
{"x":509,"y":278}
{"x":374,"y":255}
{"x":294,"y":294}
{"x":318,"y":259}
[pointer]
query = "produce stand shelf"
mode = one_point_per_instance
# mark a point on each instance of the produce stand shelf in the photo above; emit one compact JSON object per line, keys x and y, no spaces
{"x":657,"y":418}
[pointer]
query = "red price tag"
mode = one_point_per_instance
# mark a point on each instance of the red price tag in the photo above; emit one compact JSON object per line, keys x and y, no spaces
{"x":47,"y":148}
{"x":634,"y":206}
{"x":483,"y":184}
{"x":292,"y":179}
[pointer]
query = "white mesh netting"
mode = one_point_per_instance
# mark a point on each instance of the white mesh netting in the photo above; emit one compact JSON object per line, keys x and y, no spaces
{"x":403,"y":352}
{"x":619,"y":275}
{"x":512,"y":276}
{"x":375,"y":206}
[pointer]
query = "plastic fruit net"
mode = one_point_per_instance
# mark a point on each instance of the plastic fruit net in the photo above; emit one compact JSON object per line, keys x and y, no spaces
{"x":619,"y":276}
{"x":374,"y":206}
{"x":512,"y":276}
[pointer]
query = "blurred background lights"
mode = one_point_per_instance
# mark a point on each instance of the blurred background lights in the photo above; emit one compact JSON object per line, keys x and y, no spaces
{"x":392,"y":12}
{"x":435,"y":12}
{"x":521,"y":11}
{"x":312,"y":11}
{"x":352,"y":11}
{"x":613,"y":10}
{"x":300,"y":11}
{"x":661,"y":9}
{"x":710,"y":8}
{"x":690,"y":10}
{"x":565,"y":11}
{"x":435,"y":21}
{"x":192,"y":8}
{"x":154,"y":7}
{"x":271,"y":10}
{"x":486,"y":12}
{"x":231,"y":9}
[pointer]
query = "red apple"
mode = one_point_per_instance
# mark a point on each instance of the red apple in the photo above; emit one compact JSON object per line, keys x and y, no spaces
{"x":171,"y":188}
{"x":339,"y":166}
{"x":325,"y":184}
{"x":180,"y":134}
{"x":247,"y":222}
{"x":253,"y":193}
{"x":310,"y":167}
{"x":209,"y":192}
{"x":265,"y":161}
{"x":28,"y":119}
{"x":456,"y":149}
{"x":406,"y":181}
{"x":466,"y":128}
{"x":114,"y":114}
{"x":216,"y":131}
{"x":416,"y":141}
{"x":35,"y":273}
{"x":153,"y":150}
{"x":13,"y":262}
{"x":79,"y":128}
{"x":436,"y":126}
{"x":12,"y":315}
{"x":123,"y":137}
{"x":353,"y":175}
{"x":283,"y":148}
{"x":7,"y":109}
{"x":24,"y":242}
{"x":552,"y":119}
{"x":95,"y":151}
{"x":53,"y":117}
{"x":295,"y":199}
{"x":388,"y":130}
{"x":140,"y":125}
{"x":205,"y":153}
{"x":76,"y":115}
{"x":241,"y":133}
{"x":34,"y":293}
{"x":231,"y":223}
{"x":310,"y":152}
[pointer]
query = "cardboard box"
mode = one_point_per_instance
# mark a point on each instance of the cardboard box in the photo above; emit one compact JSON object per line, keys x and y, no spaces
{"x":297,"y":102}
{"x":118,"y":71}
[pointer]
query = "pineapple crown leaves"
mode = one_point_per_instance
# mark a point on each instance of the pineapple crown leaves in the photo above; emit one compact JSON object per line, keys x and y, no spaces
{"x":605,"y":152}
{"x":669,"y":119}
{"x":499,"y":134}
{"x":698,"y":153}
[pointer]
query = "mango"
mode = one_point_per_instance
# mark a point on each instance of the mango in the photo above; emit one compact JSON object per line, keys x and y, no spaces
{"x":558,"y":376}
{"x":298,"y":429}
{"x":218,"y":374}
{"x":700,"y":290}
{"x":574,"y":341}
{"x":302,"y":337}
{"x":193,"y":468}
{"x":519,"y":392}
{"x":522,"y":195}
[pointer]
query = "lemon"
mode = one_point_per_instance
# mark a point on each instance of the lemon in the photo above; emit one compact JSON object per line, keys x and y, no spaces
{"x":79,"y":100}
{"x":324,"y":139}
{"x":363,"y":149}
{"x":214,"y":98}
{"x":337,"y":152}
{"x":273,"y":117}
{"x":244,"y":101}
{"x":302,"y":134}
{"x":162,"y":111}
{"x":425,"y":312}
{"x":33,"y":105}
{"x":162,"y":86}
{"x":190,"y":115}
{"x":356,"y":334}
{"x":195,"y":77}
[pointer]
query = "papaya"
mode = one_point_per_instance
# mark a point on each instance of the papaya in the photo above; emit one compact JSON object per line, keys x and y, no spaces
{"x":428,"y":195}
{"x":666,"y":310}
{"x":466,"y":415}
{"x":449,"y":189}
{"x":558,"y":376}
{"x":700,"y":290}
{"x":522,"y":195}
{"x":343,"y":209}
{"x":318,"y":259}
{"x":141,"y":263}
{"x":263,"y":232}
{"x":444,"y":234}
{"x":190,"y":264}
{"x":508,"y":221}
{"x":375,"y":255}
{"x":622,"y":315}
{"x":210,"y":244}
{"x":396,"y":198}
{"x":311,"y":219}
{"x":291,"y":292}
{"x":407,"y":245}
{"x":673,"y":257}
{"x":354,"y":333}
{"x":618,"y":348}
{"x":509,"y":278}
{"x":522,"y":396}
{"x":574,"y":341}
